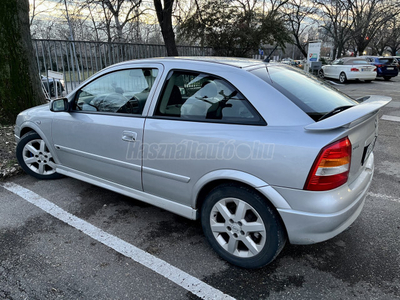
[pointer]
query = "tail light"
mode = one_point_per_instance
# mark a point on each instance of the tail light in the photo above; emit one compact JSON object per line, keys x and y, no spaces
{"x":331,"y":168}
{"x":379,"y":66}
{"x":354,"y":70}
{"x":375,"y":69}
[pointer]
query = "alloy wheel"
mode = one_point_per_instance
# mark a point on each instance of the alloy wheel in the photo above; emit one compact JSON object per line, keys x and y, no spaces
{"x":38,"y":158}
{"x":237,"y":227}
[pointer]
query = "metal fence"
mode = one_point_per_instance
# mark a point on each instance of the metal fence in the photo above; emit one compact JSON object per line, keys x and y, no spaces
{"x":78,"y":60}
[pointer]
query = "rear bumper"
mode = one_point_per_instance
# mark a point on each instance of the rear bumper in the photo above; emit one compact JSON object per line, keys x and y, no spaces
{"x":386,"y":73}
{"x":319,"y":216}
{"x":361,"y":75}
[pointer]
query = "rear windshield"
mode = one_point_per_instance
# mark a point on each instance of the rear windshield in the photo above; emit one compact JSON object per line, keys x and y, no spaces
{"x":313,"y":96}
{"x":385,"y":60}
{"x":356,"y":62}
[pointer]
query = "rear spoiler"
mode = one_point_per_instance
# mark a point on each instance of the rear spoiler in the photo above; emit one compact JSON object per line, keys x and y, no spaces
{"x":353,"y":115}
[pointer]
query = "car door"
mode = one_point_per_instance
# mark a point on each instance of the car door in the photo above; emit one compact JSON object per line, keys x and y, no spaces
{"x":100,"y":137}
{"x":191,"y":133}
{"x":329,"y":70}
{"x":337,"y":67}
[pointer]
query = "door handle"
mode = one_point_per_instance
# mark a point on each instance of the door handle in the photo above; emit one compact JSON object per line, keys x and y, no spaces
{"x":129,"y":136}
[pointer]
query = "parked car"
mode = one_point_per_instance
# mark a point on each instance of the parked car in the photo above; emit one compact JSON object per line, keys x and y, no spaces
{"x":386,"y":66}
{"x":290,"y":62}
{"x":50,"y":84}
{"x":348,"y":68}
{"x":299,"y":64}
{"x":260,"y":153}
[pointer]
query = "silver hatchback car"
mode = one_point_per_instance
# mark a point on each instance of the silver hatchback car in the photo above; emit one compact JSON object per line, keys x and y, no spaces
{"x":261,"y":153}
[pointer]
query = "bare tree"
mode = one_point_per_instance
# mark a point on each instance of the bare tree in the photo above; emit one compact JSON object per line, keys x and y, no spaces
{"x":36,"y":7}
{"x":381,"y":40}
{"x":337,"y":22}
{"x":20,"y":86}
{"x":393,"y":39}
{"x":299,"y":16}
{"x":122,"y":14}
{"x":368,"y":17}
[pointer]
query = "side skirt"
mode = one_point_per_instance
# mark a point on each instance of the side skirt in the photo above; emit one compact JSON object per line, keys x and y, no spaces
{"x":177,"y":208}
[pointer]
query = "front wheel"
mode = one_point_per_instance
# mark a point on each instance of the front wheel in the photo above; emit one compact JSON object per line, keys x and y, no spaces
{"x":342,"y":78}
{"x":321,"y":74}
{"x":35,"y":158}
{"x":241,"y":226}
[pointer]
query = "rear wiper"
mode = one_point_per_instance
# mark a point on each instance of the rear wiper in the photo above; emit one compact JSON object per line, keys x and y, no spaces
{"x":335,"y":111}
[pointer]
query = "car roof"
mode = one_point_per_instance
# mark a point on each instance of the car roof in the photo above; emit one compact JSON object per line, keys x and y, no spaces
{"x":375,"y":56}
{"x":237,"y":62}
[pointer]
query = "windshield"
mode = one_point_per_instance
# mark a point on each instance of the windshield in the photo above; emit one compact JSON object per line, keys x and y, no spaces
{"x":315,"y":97}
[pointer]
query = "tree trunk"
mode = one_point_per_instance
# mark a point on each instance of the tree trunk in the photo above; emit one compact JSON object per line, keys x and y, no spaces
{"x":300,"y":46}
{"x":164,"y":16}
{"x":20,"y":86}
{"x":334,"y":52}
{"x":339,"y":51}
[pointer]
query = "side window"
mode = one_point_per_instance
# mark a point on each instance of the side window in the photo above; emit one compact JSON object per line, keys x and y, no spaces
{"x":123,"y":92}
{"x":198,"y":96}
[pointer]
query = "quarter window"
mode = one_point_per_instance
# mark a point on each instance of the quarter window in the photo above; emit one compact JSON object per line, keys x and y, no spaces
{"x":199,"y":96}
{"x":123,"y":92}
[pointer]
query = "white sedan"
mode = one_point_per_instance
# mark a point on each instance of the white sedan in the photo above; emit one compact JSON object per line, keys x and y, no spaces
{"x":349,"y":68}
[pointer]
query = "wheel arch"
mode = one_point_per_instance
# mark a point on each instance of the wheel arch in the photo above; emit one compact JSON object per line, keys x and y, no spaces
{"x":25,"y":130}
{"x":216,"y":178}
{"x":32,"y":127}
{"x":276,"y":232}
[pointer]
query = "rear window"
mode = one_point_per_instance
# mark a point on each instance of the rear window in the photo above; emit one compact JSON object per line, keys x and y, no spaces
{"x":385,"y":60}
{"x":313,"y":96}
{"x":356,"y":62}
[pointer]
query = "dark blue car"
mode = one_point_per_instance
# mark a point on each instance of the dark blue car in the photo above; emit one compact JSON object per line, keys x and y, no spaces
{"x":386,"y":67}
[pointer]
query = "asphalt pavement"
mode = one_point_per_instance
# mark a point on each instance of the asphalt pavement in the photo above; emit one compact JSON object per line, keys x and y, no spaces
{"x":65,"y":239}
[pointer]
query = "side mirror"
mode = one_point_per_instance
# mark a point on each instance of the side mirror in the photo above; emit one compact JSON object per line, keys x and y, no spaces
{"x":58,"y":105}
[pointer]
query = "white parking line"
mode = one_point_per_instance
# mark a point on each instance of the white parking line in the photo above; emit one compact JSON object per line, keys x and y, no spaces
{"x":390,"y":118}
{"x":391,"y":198}
{"x":181,"y":278}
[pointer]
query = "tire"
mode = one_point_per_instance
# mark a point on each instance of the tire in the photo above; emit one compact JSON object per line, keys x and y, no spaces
{"x":321,"y":74}
{"x":35,"y":158}
{"x":241,"y":226}
{"x":342,"y":77}
{"x":387,"y":78}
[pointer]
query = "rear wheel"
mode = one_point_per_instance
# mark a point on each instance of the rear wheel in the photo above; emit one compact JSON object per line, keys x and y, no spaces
{"x":387,"y":78}
{"x":241,"y":226}
{"x":321,"y":74}
{"x":342,"y":77}
{"x":35,"y":158}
